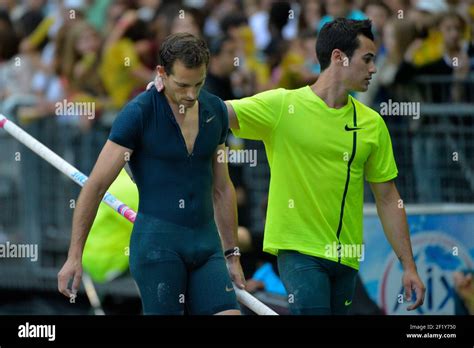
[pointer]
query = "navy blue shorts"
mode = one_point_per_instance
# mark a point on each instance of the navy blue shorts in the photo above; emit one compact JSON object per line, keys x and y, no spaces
{"x":316,"y":286}
{"x":177,"y":267}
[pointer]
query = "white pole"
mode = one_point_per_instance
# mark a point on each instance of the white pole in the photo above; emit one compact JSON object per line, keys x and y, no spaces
{"x":251,"y":302}
{"x":63,"y":166}
{"x":74,"y":174}
{"x":92,"y":294}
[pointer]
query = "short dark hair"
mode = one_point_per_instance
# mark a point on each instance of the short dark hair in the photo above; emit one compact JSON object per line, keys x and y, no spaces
{"x":216,"y":44}
{"x":378,"y":3}
{"x":341,"y":34}
{"x":278,"y":15}
{"x":188,"y":49}
{"x":232,"y":20}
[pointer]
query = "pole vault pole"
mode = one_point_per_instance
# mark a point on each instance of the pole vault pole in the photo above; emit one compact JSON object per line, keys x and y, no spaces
{"x":79,"y":178}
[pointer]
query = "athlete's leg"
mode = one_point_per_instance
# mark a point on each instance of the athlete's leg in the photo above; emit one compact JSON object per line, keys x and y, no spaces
{"x":158,"y":270}
{"x":210,"y":289}
{"x":161,"y":279}
{"x":342,"y":289}
{"x":307,"y":282}
{"x":229,"y":312}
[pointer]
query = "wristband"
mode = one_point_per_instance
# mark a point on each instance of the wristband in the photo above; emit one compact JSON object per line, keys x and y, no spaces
{"x":232,"y":252}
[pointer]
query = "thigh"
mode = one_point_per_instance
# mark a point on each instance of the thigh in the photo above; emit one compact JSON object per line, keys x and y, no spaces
{"x":210,"y":289}
{"x":157,"y":268}
{"x":342,"y":289}
{"x":307,"y":282}
{"x":161,"y":279}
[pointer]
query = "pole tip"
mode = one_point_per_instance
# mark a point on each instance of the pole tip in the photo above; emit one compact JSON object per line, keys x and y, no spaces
{"x":3,"y":120}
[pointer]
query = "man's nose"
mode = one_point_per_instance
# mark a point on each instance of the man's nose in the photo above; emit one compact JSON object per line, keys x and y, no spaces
{"x":373,"y":69}
{"x":191,"y":94}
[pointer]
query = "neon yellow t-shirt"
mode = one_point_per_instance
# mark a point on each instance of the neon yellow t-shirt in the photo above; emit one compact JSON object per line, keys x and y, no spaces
{"x":314,"y":204}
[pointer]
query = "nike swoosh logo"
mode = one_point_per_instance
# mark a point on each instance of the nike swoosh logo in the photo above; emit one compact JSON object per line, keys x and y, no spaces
{"x":347,"y":128}
{"x":210,"y":119}
{"x":229,"y":289}
{"x":347,"y":303}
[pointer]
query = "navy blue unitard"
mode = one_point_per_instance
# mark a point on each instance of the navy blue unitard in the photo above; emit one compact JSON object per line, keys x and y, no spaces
{"x":176,"y":255}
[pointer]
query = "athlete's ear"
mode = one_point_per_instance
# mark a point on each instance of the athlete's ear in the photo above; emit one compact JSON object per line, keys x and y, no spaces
{"x":160,"y":70}
{"x":338,"y":56}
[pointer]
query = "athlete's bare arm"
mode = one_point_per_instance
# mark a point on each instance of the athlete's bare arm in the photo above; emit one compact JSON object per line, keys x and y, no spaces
{"x":394,"y":221}
{"x":233,"y":120}
{"x":225,"y":212}
{"x":111,"y":160}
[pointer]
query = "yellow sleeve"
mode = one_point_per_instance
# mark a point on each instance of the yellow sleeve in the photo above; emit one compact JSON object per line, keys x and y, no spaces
{"x":381,"y":165}
{"x":258,"y":115}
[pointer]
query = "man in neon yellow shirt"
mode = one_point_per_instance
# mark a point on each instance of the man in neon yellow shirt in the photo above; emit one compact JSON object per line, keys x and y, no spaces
{"x":321,"y":143}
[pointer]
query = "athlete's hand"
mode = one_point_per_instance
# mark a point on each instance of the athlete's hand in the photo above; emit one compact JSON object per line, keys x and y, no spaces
{"x":71,"y":269}
{"x":235,"y":270}
{"x":157,"y":82}
{"x":464,"y":285}
{"x":412,"y":282}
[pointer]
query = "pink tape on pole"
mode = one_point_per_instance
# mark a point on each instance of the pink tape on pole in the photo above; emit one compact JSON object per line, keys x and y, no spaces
{"x":130,"y":215}
{"x":127,"y":212}
{"x":2,"y":122}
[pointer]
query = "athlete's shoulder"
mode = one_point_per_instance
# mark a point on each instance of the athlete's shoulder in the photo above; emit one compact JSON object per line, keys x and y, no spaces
{"x":146,"y":98}
{"x":297,"y":93}
{"x":271,"y":97}
{"x":208,"y":97}
{"x":366,"y":111}
{"x":211,"y":101}
{"x":276,"y":92}
{"x":147,"y":103}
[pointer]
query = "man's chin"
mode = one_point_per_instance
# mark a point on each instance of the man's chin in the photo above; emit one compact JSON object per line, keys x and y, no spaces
{"x":188,"y":104}
{"x":362,"y":89}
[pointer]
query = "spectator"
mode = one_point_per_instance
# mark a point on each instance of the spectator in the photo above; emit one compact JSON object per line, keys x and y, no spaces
{"x":80,"y":69}
{"x":122,"y":71}
{"x":232,"y":23}
{"x":221,"y":65}
{"x":8,"y":49}
{"x":252,"y":73}
{"x":187,"y":20}
{"x":397,"y":36}
{"x":310,"y":15}
{"x":379,"y":13}
{"x":340,"y":8}
{"x":258,"y":22}
{"x":424,"y":16}
{"x":277,"y":21}
{"x":217,"y":11}
{"x":455,"y":58}
{"x":454,"y":62}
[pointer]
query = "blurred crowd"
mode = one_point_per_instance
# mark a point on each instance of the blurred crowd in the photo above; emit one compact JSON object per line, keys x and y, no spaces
{"x":104,"y":52}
